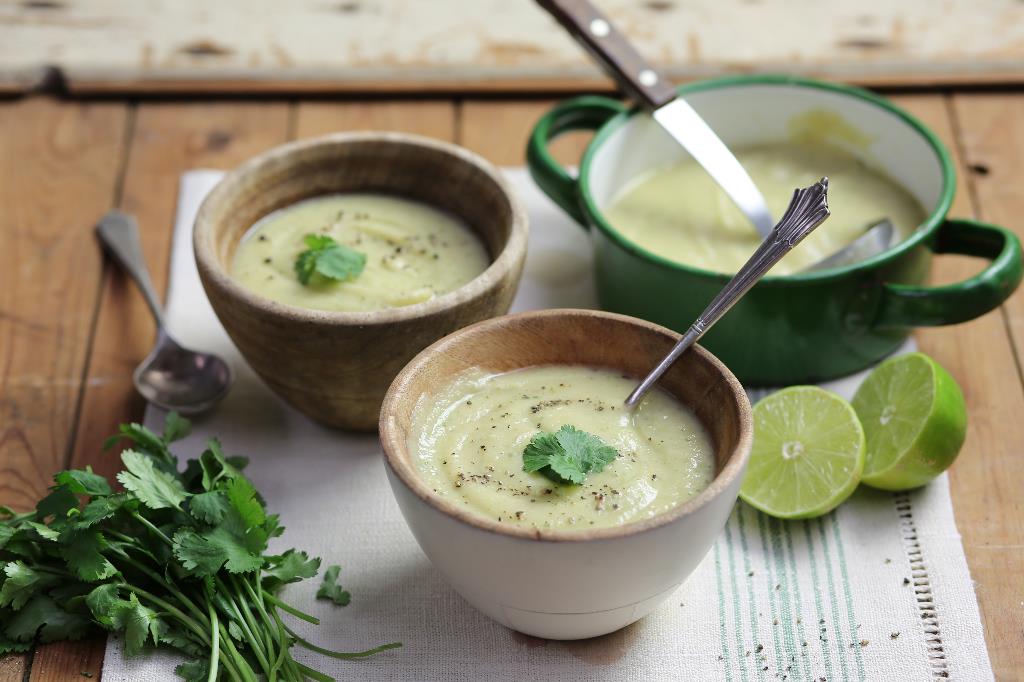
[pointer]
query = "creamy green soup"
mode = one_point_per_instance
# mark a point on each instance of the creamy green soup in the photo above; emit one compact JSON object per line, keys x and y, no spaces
{"x":468,"y":443}
{"x":678,"y":212}
{"x":414,"y":252}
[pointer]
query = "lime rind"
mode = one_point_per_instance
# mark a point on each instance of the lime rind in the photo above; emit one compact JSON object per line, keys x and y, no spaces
{"x":808,"y":453}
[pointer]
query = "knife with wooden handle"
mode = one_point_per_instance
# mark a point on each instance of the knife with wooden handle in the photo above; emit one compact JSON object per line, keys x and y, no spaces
{"x":649,"y":89}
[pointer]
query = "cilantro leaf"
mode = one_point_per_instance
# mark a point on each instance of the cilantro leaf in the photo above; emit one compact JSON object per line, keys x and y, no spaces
{"x":243,"y":546}
{"x":231,"y":544}
{"x":329,"y":259}
{"x":21,"y":583}
{"x":289,"y":567}
{"x":242,"y":496}
{"x":84,"y":482}
{"x":57,"y":504}
{"x":101,"y":602}
{"x":149,"y":443}
{"x":6,"y":533}
{"x":155,"y":488}
{"x":567,"y":455}
{"x":215,"y":466}
{"x":197,"y":670}
{"x":197,"y":554}
{"x":176,"y":427}
{"x":181,"y":641}
{"x":42,"y":615}
{"x":209,"y":507}
{"x":44,"y":531}
{"x":83,"y":556}
{"x":138,"y":621}
{"x":99,"y":509}
{"x":330,"y":589}
{"x":10,"y":646}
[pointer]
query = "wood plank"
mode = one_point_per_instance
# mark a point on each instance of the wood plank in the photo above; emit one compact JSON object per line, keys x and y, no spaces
{"x":987,"y":478}
{"x":499,"y":130}
{"x":168,"y":138}
{"x":991,"y":130}
{"x":430,"y":118}
{"x":387,"y":45}
{"x":12,"y":668}
{"x":59,"y":164}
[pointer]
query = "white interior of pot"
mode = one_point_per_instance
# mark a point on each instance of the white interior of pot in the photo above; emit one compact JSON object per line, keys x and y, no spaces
{"x":744,"y":115}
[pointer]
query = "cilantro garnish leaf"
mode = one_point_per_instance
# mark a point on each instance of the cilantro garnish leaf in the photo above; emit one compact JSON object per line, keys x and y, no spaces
{"x":567,"y":455}
{"x":155,"y":488}
{"x":330,"y":589}
{"x":327,"y":258}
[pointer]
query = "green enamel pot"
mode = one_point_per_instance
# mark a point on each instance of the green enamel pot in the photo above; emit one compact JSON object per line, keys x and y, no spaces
{"x":789,"y":329}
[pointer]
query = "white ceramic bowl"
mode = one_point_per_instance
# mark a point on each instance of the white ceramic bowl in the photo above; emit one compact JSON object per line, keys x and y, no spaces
{"x":594,"y":581}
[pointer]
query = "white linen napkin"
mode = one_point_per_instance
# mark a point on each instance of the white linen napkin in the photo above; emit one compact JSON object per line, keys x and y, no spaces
{"x":877,"y":590}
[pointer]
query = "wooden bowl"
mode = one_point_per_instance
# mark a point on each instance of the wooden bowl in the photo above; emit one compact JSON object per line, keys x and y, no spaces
{"x":336,"y":366}
{"x":595,"y":580}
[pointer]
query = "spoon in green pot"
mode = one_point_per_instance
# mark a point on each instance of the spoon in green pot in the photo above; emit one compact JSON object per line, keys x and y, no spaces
{"x":807,"y":210}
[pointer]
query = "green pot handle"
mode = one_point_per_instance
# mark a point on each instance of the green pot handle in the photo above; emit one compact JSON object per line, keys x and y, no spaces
{"x":913,"y":306}
{"x":589,"y":112}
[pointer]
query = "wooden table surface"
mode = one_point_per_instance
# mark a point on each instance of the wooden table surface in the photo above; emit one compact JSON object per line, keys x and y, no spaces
{"x":72,"y":328}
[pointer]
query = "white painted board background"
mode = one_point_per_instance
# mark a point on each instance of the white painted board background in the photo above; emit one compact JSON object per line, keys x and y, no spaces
{"x":474,"y":45}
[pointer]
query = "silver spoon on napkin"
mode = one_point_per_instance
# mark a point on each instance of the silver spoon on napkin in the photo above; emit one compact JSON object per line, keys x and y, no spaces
{"x":807,"y":209}
{"x":645,"y":86}
{"x":171,"y":377}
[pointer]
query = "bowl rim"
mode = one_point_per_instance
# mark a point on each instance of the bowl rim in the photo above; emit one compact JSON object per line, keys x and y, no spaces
{"x":500,"y":268}
{"x":931,"y":222}
{"x":403,"y":469}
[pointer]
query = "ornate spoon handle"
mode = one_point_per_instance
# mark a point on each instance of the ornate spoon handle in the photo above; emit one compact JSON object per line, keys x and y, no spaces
{"x":807,"y":210}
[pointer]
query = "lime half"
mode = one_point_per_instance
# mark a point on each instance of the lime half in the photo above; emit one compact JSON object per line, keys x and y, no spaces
{"x":914,"y":420}
{"x":807,"y":456}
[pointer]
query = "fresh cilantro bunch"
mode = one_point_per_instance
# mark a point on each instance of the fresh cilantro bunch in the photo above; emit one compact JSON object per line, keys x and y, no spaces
{"x":329,"y":259}
{"x":567,"y":455}
{"x":177,"y":559}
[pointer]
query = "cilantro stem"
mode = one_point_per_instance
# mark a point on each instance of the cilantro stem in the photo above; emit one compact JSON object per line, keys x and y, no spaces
{"x":214,"y":645}
{"x":345,"y":656}
{"x":169,"y":608}
{"x":171,"y":587}
{"x":243,"y":666}
{"x":156,"y":531}
{"x":241,"y":604}
{"x":245,"y":619}
{"x":290,"y":609}
{"x":285,"y":644}
{"x":315,"y":674}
